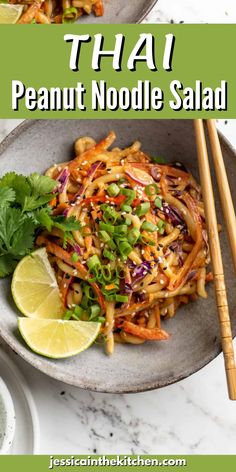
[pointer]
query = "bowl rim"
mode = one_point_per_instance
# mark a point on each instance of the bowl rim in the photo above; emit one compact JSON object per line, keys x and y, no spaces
{"x":10,"y":421}
{"x":146,"y":10}
{"x":70,"y":380}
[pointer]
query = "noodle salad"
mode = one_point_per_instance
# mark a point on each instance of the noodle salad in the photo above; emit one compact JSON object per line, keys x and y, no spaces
{"x":54,"y":11}
{"x":141,"y":248}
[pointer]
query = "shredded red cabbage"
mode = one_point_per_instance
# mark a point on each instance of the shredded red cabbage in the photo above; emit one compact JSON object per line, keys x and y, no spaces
{"x":128,"y":288}
{"x":65,"y":212}
{"x":62,"y":180}
{"x":177,"y":248}
{"x":77,"y":249}
{"x":91,"y":173}
{"x":155,"y":173}
{"x":140,"y":271}
{"x":173,"y":215}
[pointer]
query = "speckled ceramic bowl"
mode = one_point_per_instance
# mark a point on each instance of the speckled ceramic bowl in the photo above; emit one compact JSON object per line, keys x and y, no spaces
{"x":195,"y":340}
{"x":121,"y":11}
{"x":7,"y":419}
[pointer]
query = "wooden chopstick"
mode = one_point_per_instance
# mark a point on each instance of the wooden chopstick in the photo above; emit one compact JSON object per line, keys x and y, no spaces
{"x":223,"y":185}
{"x":216,"y":258}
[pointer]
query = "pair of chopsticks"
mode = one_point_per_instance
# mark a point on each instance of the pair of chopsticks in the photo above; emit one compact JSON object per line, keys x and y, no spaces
{"x":214,"y":242}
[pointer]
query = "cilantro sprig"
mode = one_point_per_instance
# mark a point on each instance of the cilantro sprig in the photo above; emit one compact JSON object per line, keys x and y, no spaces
{"x":24,"y":210}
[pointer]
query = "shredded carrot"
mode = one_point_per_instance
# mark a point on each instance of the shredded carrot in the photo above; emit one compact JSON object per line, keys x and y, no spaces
{"x":64,"y":287}
{"x":110,"y":287}
{"x":155,"y":334}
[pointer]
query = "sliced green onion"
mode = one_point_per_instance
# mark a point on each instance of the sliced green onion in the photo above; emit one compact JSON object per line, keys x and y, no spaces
{"x":121,"y":230}
{"x":88,"y":292}
{"x":148,"y":226}
{"x":133,"y":236}
{"x":94,"y":311}
{"x":124,"y":248}
{"x":121,"y":298}
{"x":151,"y":189}
{"x":126,"y":208}
{"x":75,"y":257}
{"x":106,"y":273}
{"x":67,"y":315}
{"x":108,"y":255}
{"x":104,"y":236}
{"x":113,"y":190}
{"x":112,"y":244}
{"x":107,"y":227}
{"x":110,"y":215}
{"x":78,"y":311}
{"x":84,"y":303}
{"x":158,"y":159}
{"x":93,"y":262}
{"x":143,"y":208}
{"x":158,"y":202}
{"x":161,"y":226}
{"x":129,"y":194}
{"x":70,"y":15}
{"x":161,"y":223}
{"x":109,"y":297}
{"x":128,"y":221}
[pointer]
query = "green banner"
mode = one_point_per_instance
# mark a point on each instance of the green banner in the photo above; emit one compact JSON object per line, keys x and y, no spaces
{"x":106,"y":463}
{"x":118,"y":71}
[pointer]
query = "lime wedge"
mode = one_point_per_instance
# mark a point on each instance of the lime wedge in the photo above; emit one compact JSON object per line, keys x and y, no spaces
{"x":34,"y":287}
{"x":10,"y":14}
{"x":58,"y":339}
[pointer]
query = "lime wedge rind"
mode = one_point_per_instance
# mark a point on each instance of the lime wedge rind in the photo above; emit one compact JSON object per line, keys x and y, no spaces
{"x":10,"y":14}
{"x":36,"y":299}
{"x":71,"y":337}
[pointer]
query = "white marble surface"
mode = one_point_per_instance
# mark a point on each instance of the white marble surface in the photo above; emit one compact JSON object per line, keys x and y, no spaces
{"x":193,"y":11}
{"x":191,"y":417}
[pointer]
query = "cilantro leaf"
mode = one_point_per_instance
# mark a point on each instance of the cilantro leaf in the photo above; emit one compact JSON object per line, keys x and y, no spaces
{"x":40,"y":184}
{"x":23,"y":210}
{"x":32,"y":203}
{"x":7,"y":265}
{"x":66,"y":224}
{"x":23,"y":239}
{"x":18,"y":183}
{"x":7,"y":196}
{"x":31,"y":192}
{"x":43,"y":219}
{"x":40,"y":194}
{"x":16,"y":233}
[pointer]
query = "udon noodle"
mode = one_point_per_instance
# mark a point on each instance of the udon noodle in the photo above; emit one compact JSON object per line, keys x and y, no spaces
{"x":141,"y":250}
{"x":57,"y":11}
